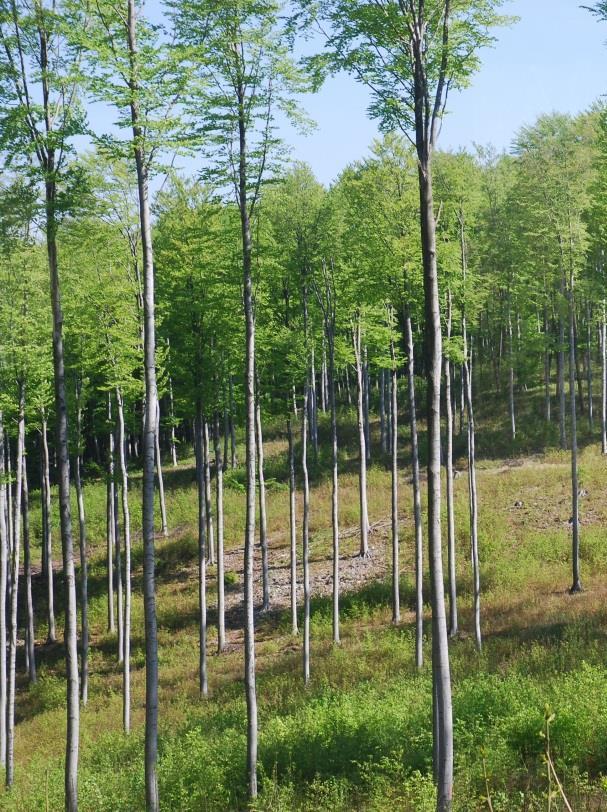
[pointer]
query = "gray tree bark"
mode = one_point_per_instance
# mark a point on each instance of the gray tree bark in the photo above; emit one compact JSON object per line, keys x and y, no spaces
{"x":394,"y":477}
{"x":292,"y":528}
{"x":163,"y":509}
{"x":417,"y":499}
{"x":263,"y":520}
{"x":84,"y":599}
{"x":221,"y":624}
{"x":3,"y":593}
{"x":306,"y":536}
{"x":13,"y":601}
{"x":48,"y":538}
{"x":362,"y":446}
{"x":30,"y":653}
{"x":149,"y":431}
{"x":202,"y":554}
{"x":449,"y":471}
{"x":126,"y":521}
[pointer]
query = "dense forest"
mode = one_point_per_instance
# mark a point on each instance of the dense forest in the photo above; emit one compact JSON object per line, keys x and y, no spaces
{"x":300,"y":486}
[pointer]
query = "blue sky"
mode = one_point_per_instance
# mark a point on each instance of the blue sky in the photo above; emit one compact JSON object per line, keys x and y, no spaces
{"x":554,"y":58}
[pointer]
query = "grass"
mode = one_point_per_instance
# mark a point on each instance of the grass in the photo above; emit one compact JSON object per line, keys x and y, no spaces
{"x":359,"y":737}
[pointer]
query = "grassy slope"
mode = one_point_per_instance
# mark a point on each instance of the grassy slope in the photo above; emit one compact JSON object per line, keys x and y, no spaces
{"x":360,"y":736}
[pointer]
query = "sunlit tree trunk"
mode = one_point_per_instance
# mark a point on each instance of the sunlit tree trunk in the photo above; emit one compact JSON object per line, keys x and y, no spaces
{"x":126,"y":520}
{"x":292,"y":528}
{"x":202,"y":554}
{"x":163,"y":509}
{"x":84,"y":599}
{"x":47,"y":540}
{"x":3,"y":595}
{"x":449,"y":473}
{"x":27,"y":571}
{"x":221,"y":624}
{"x":263,"y":521}
{"x":362,"y":447}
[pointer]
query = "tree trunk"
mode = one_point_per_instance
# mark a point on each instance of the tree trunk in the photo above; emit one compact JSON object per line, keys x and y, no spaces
{"x":3,"y":595}
{"x":561,"y":384}
{"x":394,"y":473}
{"x":84,"y":596}
{"x":547,"y":359}
{"x":48,"y":539}
{"x":441,"y":674}
{"x":510,"y":380}
{"x":163,"y":509}
{"x":334,"y":485}
{"x":149,"y":434}
{"x":118,"y":572}
{"x":126,"y":520}
{"x":473,"y":500}
{"x":27,"y":571}
{"x":604,"y":380}
{"x":417,"y":499}
{"x":382,"y":412}
{"x":13,"y":602}
{"x":449,"y":472}
{"x":589,"y":367}
{"x":362,"y":447}
{"x":208,"y":499}
{"x":263,"y":521}
{"x":202,"y":553}
{"x":306,"y":535}
{"x":111,"y":523}
{"x":221,"y":624}
{"x":172,"y":417}
{"x":292,"y":529}
{"x":233,"y":460}
{"x":249,"y":380}
{"x":576,"y":586}
{"x":65,"y":511}
{"x":313,"y":406}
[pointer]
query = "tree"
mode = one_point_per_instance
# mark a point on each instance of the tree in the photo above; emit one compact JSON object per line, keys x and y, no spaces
{"x":411,"y":55}
{"x":37,"y":62}
{"x":247,"y":75}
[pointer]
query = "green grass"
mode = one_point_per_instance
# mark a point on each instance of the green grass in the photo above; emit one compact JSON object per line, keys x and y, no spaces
{"x":359,"y":736}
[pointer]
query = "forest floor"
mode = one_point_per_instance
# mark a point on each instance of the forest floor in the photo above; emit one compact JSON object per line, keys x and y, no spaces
{"x":359,"y":736}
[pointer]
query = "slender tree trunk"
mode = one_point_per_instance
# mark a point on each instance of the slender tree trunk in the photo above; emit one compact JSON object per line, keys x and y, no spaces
{"x":202,"y":553}
{"x":209,"y":501}
{"x":362,"y":454}
{"x":561,"y":382}
{"x":3,"y":595}
{"x":312,"y":403}
{"x":334,"y":485}
{"x":263,"y":521}
{"x":292,"y":529}
{"x":249,"y":380}
{"x":306,"y":536}
{"x":382,"y":412}
{"x":441,"y":673}
{"x":449,"y":471}
{"x":394,"y":473}
{"x":589,"y":367}
{"x":27,"y":571}
{"x":604,"y":380}
{"x":163,"y":509}
{"x":472,"y":493}
{"x":48,"y":539}
{"x":65,"y":512}
{"x":84,"y":591}
{"x":233,"y":460}
{"x":510,"y":379}
{"x":149,"y":433}
{"x":366,"y":387}
{"x":575,"y":524}
{"x":111,"y":523}
{"x":547,"y":358}
{"x":221,"y":624}
{"x":172,"y":416}
{"x":118,"y":571}
{"x":417,"y":499}
{"x":13,"y":602}
{"x":126,"y":520}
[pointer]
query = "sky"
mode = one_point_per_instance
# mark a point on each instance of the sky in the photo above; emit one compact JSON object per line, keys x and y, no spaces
{"x":553,"y":59}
